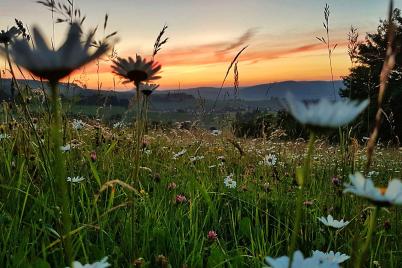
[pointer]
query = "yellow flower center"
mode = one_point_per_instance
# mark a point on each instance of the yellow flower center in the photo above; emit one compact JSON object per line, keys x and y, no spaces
{"x":382,"y":190}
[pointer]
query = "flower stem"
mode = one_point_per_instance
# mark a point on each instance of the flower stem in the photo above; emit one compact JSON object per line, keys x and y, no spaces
{"x":366,"y":245}
{"x":58,"y":169}
{"x":299,"y":198}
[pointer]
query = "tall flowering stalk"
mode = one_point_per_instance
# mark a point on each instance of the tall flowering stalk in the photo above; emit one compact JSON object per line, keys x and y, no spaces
{"x":317,"y":117}
{"x":137,"y":71}
{"x":54,"y":65}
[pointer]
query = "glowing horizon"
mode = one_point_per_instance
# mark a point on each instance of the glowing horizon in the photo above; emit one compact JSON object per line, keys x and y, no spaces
{"x":203,"y":40}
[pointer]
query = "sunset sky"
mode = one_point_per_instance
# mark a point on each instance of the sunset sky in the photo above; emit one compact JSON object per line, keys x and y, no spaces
{"x":205,"y":35}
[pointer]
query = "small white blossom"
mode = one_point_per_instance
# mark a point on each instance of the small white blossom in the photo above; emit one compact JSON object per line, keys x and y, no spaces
{"x":329,"y":221}
{"x":216,"y":132}
{"x":269,"y":160}
{"x":229,"y":182}
{"x":331,"y":256}
{"x":177,"y":155}
{"x":100,"y":264}
{"x":300,"y":262}
{"x":65,"y":148}
{"x":75,"y":179}
{"x":4,"y":136}
{"x":78,"y":124}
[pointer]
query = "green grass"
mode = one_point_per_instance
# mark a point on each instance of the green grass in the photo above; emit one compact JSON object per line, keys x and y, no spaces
{"x":252,"y":221}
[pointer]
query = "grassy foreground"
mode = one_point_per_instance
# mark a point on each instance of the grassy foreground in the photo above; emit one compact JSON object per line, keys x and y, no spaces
{"x":180,"y":199}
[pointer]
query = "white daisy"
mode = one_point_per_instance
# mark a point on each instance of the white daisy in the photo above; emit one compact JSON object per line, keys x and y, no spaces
{"x":118,"y":125}
{"x":65,"y":148}
{"x":100,"y":264}
{"x":78,"y":124}
{"x":324,"y":113}
{"x":300,"y":262}
{"x":177,"y":155}
{"x":360,"y":186}
{"x":331,"y":256}
{"x":329,"y":221}
{"x":54,"y":65}
{"x":75,"y":179}
{"x":269,"y":160}
{"x":216,"y":132}
{"x":229,"y":182}
{"x":196,"y":158}
{"x":4,"y":136}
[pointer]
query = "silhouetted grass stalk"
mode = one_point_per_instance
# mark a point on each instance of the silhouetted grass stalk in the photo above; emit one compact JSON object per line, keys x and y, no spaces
{"x":59,"y":172}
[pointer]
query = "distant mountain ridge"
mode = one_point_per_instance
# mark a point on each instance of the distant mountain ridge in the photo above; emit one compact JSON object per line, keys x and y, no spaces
{"x":302,"y":90}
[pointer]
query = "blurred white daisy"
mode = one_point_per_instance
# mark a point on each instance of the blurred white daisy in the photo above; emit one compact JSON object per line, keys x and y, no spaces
{"x":381,"y":196}
{"x":325,"y":113}
{"x":100,"y":264}
{"x":216,"y":132}
{"x":118,"y":125}
{"x":196,"y":158}
{"x":54,"y":65}
{"x":300,"y":262}
{"x":229,"y":182}
{"x":331,"y":222}
{"x":269,"y":160}
{"x":177,"y":155}
{"x":65,"y":148}
{"x":331,"y":256}
{"x":138,"y":70}
{"x":4,"y":136}
{"x":75,"y":179}
{"x":78,"y":124}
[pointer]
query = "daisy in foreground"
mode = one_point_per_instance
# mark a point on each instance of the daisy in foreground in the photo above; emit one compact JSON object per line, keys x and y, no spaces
{"x":331,"y":222}
{"x":100,"y":264}
{"x":54,"y":65}
{"x":380,"y":196}
{"x":300,"y":262}
{"x":324,"y":113}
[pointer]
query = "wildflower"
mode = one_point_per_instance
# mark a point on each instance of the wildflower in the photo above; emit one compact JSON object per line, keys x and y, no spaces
{"x":4,"y":136}
{"x":75,"y":179}
{"x":300,"y":262}
{"x":336,"y":181}
{"x":148,"y":89}
{"x":171,"y":186}
{"x":7,"y":36}
{"x":196,"y":158}
{"x":177,"y":155}
{"x":216,"y":132}
{"x":93,"y":156}
{"x":329,"y":221}
{"x":100,"y":264}
{"x":331,"y":256}
{"x":138,"y":70}
{"x":212,"y":235}
{"x":308,"y":203}
{"x":372,"y":173}
{"x":325,"y":114}
{"x":229,"y":182}
{"x":360,"y":186}
{"x":269,"y":160}
{"x":54,"y":65}
{"x":181,"y":199}
{"x":65,"y":148}
{"x":118,"y":125}
{"x":78,"y":124}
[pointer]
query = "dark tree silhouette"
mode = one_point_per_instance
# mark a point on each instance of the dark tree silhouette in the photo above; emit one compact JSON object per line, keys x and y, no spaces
{"x":363,"y":81}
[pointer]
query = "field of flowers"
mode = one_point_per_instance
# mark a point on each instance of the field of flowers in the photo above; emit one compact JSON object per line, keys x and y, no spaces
{"x":200,"y":201}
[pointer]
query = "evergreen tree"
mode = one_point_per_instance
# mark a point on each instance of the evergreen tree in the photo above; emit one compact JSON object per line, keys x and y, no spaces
{"x":364,"y":77}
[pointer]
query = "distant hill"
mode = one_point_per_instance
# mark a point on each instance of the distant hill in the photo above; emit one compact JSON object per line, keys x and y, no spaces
{"x":303,"y":90}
